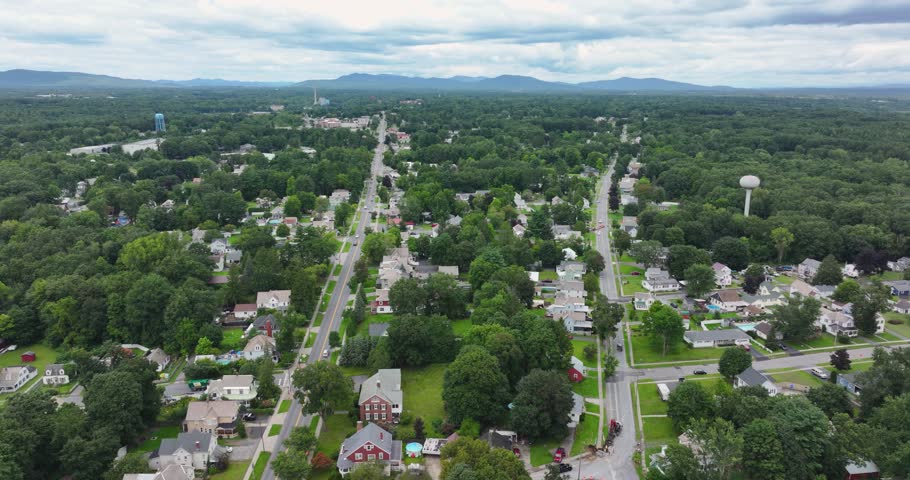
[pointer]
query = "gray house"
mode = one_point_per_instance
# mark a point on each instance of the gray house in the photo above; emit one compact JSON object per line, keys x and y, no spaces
{"x":194,"y":450}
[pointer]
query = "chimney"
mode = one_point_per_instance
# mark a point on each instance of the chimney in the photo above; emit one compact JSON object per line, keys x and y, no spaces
{"x":378,"y":384}
{"x":359,"y":425}
{"x":197,"y":446}
{"x":268,"y":327}
{"x":381,"y":435}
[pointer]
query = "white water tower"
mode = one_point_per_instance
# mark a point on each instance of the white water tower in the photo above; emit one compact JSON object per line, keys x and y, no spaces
{"x":749,"y":182}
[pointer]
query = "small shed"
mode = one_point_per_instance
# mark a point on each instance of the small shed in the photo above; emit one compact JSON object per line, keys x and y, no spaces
{"x":28,"y":356}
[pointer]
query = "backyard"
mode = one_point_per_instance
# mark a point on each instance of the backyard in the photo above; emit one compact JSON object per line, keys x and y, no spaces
{"x":578,"y":349}
{"x":651,"y":403}
{"x":645,"y":351}
{"x":548,"y":275}
{"x":542,"y":451}
{"x":586,"y":388}
{"x":658,"y":431}
{"x":901,"y":329}
{"x":334,"y":431}
{"x":232,"y":338}
{"x":155,"y":435}
{"x":422,"y":388}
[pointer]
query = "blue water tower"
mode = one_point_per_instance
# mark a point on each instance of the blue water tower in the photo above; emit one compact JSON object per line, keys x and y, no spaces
{"x":159,"y":123}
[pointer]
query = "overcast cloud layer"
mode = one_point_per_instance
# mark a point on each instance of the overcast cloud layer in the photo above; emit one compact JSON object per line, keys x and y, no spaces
{"x":714,"y":42}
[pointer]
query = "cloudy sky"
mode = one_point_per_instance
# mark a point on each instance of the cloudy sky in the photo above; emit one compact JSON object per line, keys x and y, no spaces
{"x":719,"y":42}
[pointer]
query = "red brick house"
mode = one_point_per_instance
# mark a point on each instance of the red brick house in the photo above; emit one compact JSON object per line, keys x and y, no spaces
{"x":381,"y":397}
{"x":370,"y":444}
{"x":577,"y":370}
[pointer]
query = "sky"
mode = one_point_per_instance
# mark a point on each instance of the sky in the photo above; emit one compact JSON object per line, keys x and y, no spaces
{"x":742,"y":43}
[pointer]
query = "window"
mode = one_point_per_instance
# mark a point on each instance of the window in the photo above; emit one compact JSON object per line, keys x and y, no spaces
{"x":369,"y":447}
{"x":383,"y":416}
{"x":371,"y":457}
{"x":369,"y":407}
{"x":381,"y":455}
{"x":358,"y":456}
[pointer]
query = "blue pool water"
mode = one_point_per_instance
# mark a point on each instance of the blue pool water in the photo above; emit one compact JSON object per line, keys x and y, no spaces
{"x":713,"y":307}
{"x":746,"y":327}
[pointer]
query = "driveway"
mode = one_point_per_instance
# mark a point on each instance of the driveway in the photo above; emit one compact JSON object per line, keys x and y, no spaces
{"x":243,"y":447}
{"x":433,"y":465}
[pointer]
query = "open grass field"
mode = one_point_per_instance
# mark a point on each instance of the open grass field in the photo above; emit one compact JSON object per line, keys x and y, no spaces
{"x":586,"y":388}
{"x":585,"y":434}
{"x":632,"y":284}
{"x":784,"y":280}
{"x":592,"y":408}
{"x":645,"y":352}
{"x":548,"y":275}
{"x":659,"y":431}
{"x":235,"y":471}
{"x":822,"y":341}
{"x":232,"y":338}
{"x":651,"y":404}
{"x":628,"y":269}
{"x":463,"y":326}
{"x":578,"y":349}
{"x":155,"y":436}
{"x":334,"y":431}
{"x":889,"y":275}
{"x":422,"y":388}
{"x":542,"y":451}
{"x":43,"y":356}
{"x":900,"y":329}
{"x":259,"y":467}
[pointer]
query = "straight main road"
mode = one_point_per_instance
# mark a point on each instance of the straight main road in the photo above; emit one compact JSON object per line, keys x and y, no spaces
{"x":331,"y":322}
{"x":617,"y":401}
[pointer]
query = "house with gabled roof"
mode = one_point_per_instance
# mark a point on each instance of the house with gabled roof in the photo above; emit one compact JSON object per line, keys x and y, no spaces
{"x":751,"y":377}
{"x":13,"y":378}
{"x":381,"y":397}
{"x":159,"y":358}
{"x":727,"y":300}
{"x":577,"y":370}
{"x":194,"y":450}
{"x":212,"y":416}
{"x":808,"y":268}
{"x":56,"y":374}
{"x":371,"y":443}
{"x":258,"y":346}
{"x":240,"y":388}
{"x":723,"y":276}
{"x":274,"y":299}
{"x":170,"y":472}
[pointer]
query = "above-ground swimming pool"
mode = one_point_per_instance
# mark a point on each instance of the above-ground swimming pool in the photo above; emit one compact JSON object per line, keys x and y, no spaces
{"x":414,"y":449}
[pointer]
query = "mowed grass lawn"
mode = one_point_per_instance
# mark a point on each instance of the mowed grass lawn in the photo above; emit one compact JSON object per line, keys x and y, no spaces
{"x":154,"y":437}
{"x":232,"y":338}
{"x":585,"y":434}
{"x":645,"y":351}
{"x":274,"y":430}
{"x":542,"y":451}
{"x":235,"y":471}
{"x":651,"y":404}
{"x":658,"y":431}
{"x":901,"y":329}
{"x":261,"y":461}
{"x":799,"y":377}
{"x":586,"y":388}
{"x":628,"y":269}
{"x":284,"y":406}
{"x":632,"y":284}
{"x":548,"y":275}
{"x":578,"y":349}
{"x":364,"y":328}
{"x":463,"y":326}
{"x":422,"y":388}
{"x":43,"y":356}
{"x":335,"y":429}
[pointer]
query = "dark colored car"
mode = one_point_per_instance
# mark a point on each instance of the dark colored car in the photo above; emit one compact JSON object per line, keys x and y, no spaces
{"x":249,"y":416}
{"x":700,"y":372}
{"x":565,"y":467}
{"x":635,"y":274}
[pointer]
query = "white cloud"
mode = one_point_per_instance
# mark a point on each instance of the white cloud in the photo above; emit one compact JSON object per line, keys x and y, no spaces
{"x":733,"y":42}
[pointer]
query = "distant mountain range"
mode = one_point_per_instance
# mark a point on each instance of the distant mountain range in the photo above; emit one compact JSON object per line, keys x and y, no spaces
{"x":34,"y":79}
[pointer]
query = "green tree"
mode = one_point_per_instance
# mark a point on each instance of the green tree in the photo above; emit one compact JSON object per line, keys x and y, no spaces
{"x":732,"y":252}
{"x":875,"y":299}
{"x":290,"y":465}
{"x":647,"y":252}
{"x":720,"y":447}
{"x":374,"y":247}
{"x":342,"y":213}
{"x":840,"y":359}
{"x":664,"y":326}
{"x":115,"y":399}
{"x":848,"y":291}
{"x":700,"y":280}
{"x":754,"y":277}
{"x":542,"y":404}
{"x":369,"y":471}
{"x":418,"y":340}
{"x":475,"y":387}
{"x":292,"y":206}
{"x":733,"y":361}
{"x":283,"y":231}
{"x":472,"y":459}
{"x":301,"y":439}
{"x":829,"y":272}
{"x":763,"y":455}
{"x":133,"y":462}
{"x":803,"y":432}
{"x":795,"y":319}
{"x":681,"y":257}
{"x":606,"y":316}
{"x":622,"y":241}
{"x":831,"y":399}
{"x":267,"y":388}
{"x":690,"y":401}
{"x":322,"y":388}
{"x":782,"y":238}
{"x":594,"y":261}
{"x":539,"y":225}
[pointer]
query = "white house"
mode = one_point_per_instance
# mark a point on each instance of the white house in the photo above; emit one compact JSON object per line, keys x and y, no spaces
{"x":766,"y":295}
{"x":629,"y":225}
{"x":808,"y":268}
{"x":751,"y":377}
{"x":657,"y":280}
{"x":716,"y":338}
{"x":900,"y":264}
{"x":519,"y":230}
{"x":727,"y":300}
{"x":195,"y":450}
{"x":723,"y":276}
{"x":902,"y":306}
{"x":55,"y":374}
{"x":274,"y":299}
{"x":240,"y":388}
{"x":245,"y":310}
{"x":850,"y":270}
{"x":13,"y":378}
{"x":258,"y":346}
{"x":159,"y":357}
{"x":643,"y":301}
{"x":170,"y":472}
{"x":578,"y":408}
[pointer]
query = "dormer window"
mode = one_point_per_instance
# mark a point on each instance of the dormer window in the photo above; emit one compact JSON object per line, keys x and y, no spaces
{"x":369,"y":447}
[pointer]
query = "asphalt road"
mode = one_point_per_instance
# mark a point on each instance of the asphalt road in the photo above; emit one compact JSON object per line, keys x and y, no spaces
{"x":332,"y":320}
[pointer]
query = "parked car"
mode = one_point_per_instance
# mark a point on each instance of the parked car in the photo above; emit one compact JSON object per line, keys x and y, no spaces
{"x":635,"y":274}
{"x":559,"y":455}
{"x":517,"y":452}
{"x":565,"y":467}
{"x":325,"y":353}
{"x":818,"y":372}
{"x":249,"y":416}
{"x":700,"y":372}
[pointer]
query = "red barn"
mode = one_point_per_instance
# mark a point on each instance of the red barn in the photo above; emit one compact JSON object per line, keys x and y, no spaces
{"x":28,"y":356}
{"x":577,"y":371}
